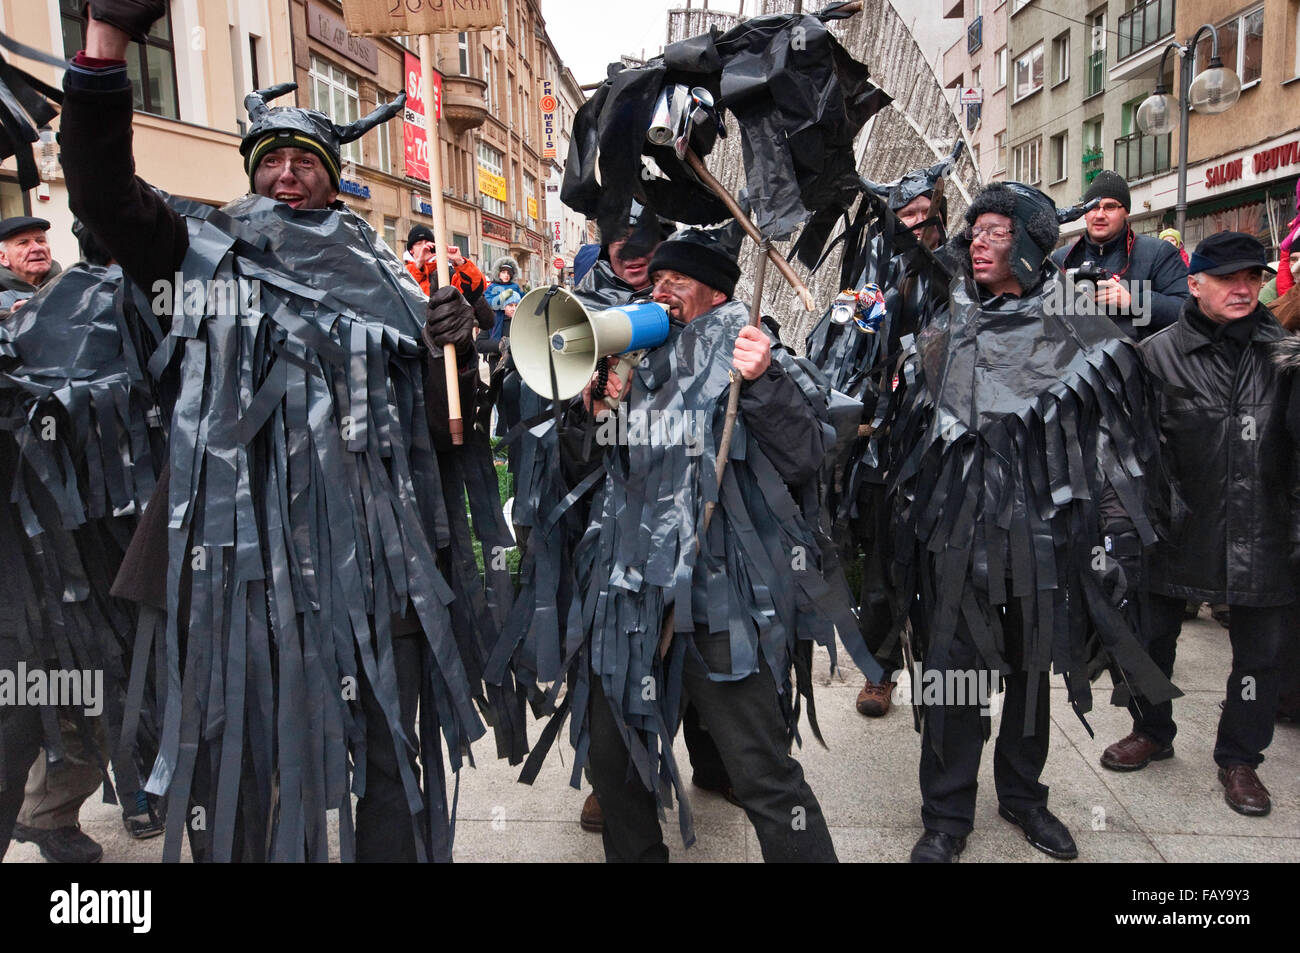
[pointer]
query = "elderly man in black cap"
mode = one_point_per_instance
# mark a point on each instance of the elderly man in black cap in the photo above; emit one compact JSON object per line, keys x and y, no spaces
{"x":996,"y":520}
{"x":741,"y":617}
{"x":1235,"y":513}
{"x":25,"y":260}
{"x":1141,"y":283}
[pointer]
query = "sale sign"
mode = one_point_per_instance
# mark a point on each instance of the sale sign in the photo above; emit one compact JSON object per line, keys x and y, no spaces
{"x":414,"y":134}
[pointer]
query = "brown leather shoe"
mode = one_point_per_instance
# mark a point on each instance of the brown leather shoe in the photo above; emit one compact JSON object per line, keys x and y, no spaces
{"x":1244,"y":791}
{"x":874,"y":699}
{"x":1133,"y":752}
{"x":592,"y":820}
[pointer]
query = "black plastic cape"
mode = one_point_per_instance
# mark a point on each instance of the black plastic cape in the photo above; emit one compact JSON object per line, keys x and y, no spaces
{"x":82,"y":449}
{"x":1012,"y":423}
{"x":305,"y":507}
{"x":26,"y":104}
{"x":880,"y":250}
{"x":799,"y":99}
{"x":639,"y":555}
{"x":545,"y":633}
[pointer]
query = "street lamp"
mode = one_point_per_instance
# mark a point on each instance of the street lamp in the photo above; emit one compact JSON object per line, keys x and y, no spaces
{"x":1211,"y":92}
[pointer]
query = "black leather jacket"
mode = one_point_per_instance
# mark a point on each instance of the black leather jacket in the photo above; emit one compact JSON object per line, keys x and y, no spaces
{"x":1232,"y":464}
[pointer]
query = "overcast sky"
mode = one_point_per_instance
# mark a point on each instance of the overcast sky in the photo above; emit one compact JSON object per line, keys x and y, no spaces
{"x":591,"y":33}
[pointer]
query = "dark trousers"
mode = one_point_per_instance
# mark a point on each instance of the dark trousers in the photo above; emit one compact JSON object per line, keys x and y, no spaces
{"x":1246,"y":726}
{"x":949,"y":784}
{"x":746,"y":725}
{"x":20,"y":743}
{"x":385,"y":828}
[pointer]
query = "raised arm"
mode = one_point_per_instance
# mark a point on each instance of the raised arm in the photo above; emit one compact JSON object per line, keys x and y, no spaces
{"x":129,"y":218}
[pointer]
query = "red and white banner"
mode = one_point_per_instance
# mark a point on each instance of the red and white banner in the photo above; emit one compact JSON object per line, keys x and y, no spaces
{"x":414,"y":135}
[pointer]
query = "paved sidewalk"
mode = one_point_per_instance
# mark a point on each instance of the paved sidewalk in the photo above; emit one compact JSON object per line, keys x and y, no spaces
{"x":867,"y":784}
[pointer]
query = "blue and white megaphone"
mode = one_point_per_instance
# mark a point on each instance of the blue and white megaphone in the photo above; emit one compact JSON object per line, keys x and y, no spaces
{"x":576,"y":338}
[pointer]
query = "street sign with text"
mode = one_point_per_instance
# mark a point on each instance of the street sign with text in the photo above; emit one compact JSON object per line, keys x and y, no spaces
{"x":417,"y":17}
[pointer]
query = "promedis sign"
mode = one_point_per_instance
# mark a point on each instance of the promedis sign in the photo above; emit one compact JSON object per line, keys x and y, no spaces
{"x":416,"y":17}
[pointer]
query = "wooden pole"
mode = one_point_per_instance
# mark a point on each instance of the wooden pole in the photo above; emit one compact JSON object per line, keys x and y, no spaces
{"x":455,"y":424}
{"x":783,"y":266}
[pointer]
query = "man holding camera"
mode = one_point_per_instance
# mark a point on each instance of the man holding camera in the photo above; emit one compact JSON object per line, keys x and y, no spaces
{"x":1141,"y":282}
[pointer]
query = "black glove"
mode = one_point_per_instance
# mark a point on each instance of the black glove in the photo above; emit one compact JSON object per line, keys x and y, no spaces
{"x":449,"y":320}
{"x":133,"y":17}
{"x":1123,"y":566}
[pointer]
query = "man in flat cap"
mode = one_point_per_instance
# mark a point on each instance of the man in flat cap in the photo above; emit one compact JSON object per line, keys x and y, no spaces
{"x":25,"y":260}
{"x":1235,"y":508}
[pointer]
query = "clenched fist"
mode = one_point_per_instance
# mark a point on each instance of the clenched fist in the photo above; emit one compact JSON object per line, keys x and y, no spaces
{"x":132,"y":17}
{"x":753,"y":353}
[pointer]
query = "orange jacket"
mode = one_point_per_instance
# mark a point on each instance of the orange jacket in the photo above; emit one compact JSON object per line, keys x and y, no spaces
{"x":466,"y":277}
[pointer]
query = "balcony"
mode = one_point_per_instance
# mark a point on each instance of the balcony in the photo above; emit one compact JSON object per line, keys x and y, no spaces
{"x":975,"y":35}
{"x":1144,"y":25}
{"x":463,"y":107}
{"x":1139,"y":156}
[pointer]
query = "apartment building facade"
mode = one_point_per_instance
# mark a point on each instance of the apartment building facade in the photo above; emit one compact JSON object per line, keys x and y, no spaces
{"x":1081,"y":74}
{"x":979,"y":60}
{"x":1079,"y":78}
{"x":490,"y":84}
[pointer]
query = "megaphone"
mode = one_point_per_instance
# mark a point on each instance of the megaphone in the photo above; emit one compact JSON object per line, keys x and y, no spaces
{"x":576,"y":338}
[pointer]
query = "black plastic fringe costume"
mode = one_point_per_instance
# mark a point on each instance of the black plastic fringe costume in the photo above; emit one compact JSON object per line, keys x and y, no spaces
{"x":82,"y":454}
{"x":1013,"y":424}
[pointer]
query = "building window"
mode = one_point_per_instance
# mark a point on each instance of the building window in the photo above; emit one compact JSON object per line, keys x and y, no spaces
{"x":1000,"y":68}
{"x":490,"y":95}
{"x":492,"y":162}
{"x":530,"y":200}
{"x":1000,"y":141}
{"x":1025,"y":162}
{"x":1094,"y":156}
{"x":492,"y":252}
{"x":334,"y":92}
{"x":390,"y":232}
{"x":383,"y":153}
{"x":1061,"y":58}
{"x":1029,"y":73}
{"x":462,"y":49}
{"x":1059,"y":155}
{"x":1097,"y":58}
{"x":1241,"y":46}
{"x":151,"y":66}
{"x":975,"y":77}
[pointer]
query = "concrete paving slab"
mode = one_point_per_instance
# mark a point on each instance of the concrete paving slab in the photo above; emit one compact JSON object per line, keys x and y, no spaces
{"x":866,"y":782}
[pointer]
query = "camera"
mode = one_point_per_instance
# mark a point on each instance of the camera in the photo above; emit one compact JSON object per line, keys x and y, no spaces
{"x":1085,"y":277}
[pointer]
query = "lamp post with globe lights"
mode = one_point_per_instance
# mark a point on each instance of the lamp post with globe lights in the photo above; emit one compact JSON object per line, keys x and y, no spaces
{"x":1213,"y":91}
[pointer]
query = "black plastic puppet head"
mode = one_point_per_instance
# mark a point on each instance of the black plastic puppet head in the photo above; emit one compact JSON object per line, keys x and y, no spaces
{"x":276,"y":127}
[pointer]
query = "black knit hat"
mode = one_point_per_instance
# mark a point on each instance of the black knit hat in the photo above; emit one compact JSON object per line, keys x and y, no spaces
{"x":705,"y":254}
{"x":419,"y":233}
{"x":1109,"y":185}
{"x":1034,"y":217}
